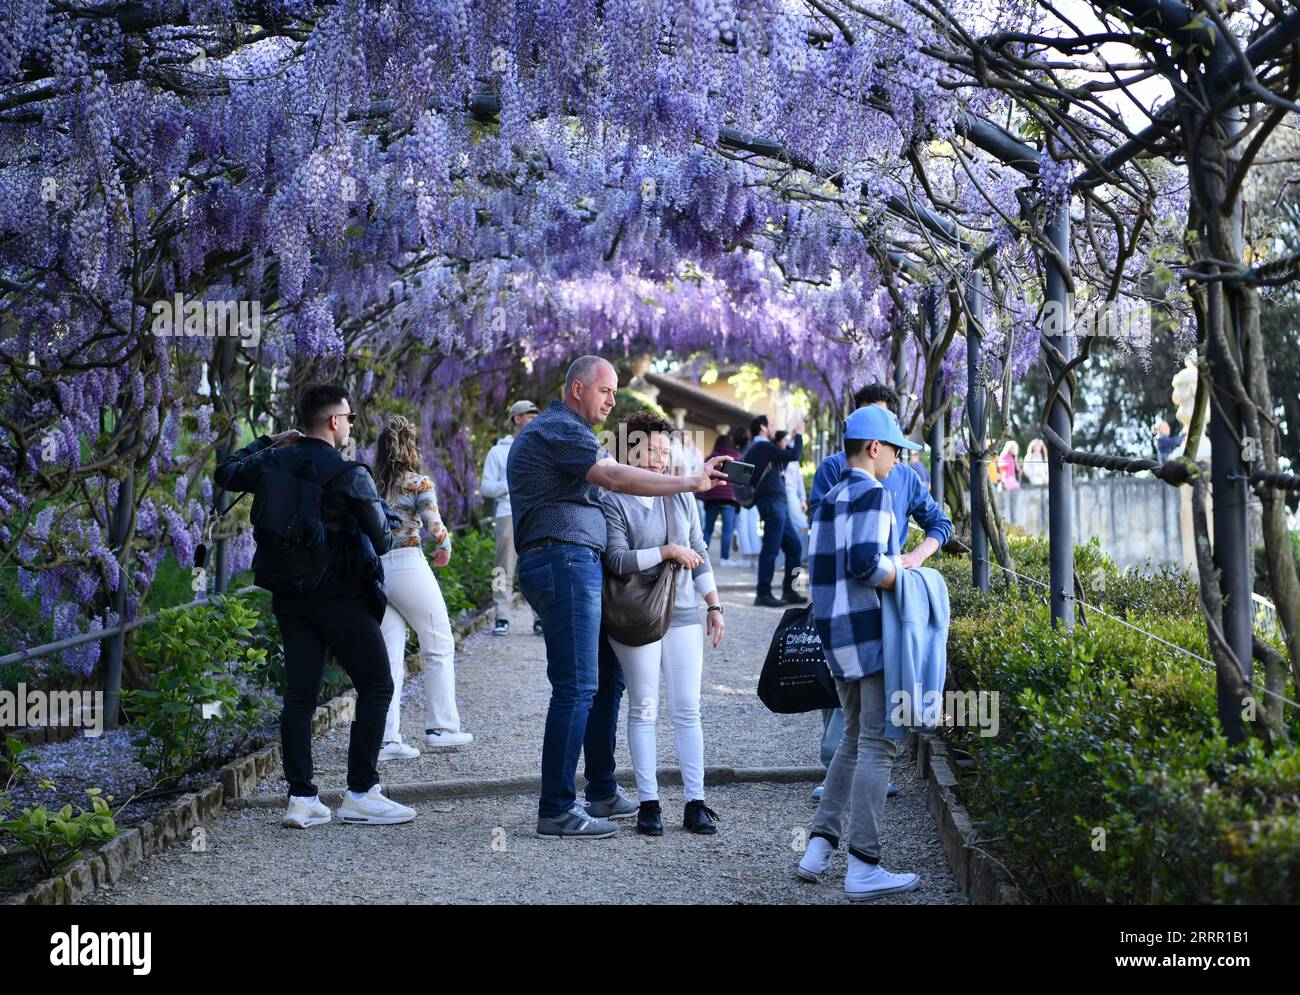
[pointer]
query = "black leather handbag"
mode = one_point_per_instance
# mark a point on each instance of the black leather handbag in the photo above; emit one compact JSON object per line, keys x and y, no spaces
{"x":636,"y":608}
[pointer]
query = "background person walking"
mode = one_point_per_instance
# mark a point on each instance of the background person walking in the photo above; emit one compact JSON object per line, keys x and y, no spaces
{"x":494,"y":486}
{"x":720,"y":501}
{"x":773,"y":507}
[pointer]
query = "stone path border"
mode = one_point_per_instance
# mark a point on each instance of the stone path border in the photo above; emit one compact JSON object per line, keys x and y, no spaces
{"x":420,"y":791}
{"x":982,"y":878}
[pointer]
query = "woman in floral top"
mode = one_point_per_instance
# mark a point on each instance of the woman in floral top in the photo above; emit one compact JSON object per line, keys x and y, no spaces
{"x":414,"y":597}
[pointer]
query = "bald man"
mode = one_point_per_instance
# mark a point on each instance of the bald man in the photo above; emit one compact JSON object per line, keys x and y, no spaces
{"x":556,"y":473}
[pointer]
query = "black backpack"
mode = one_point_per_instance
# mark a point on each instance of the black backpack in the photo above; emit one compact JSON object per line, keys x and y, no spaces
{"x":293,"y":554}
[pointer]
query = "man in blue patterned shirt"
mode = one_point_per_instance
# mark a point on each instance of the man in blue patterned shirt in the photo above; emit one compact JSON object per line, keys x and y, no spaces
{"x":556,"y":473}
{"x":910,"y":498}
{"x":853,"y":556}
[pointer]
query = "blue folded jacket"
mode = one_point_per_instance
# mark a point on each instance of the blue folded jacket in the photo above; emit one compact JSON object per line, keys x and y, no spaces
{"x":915,"y":650}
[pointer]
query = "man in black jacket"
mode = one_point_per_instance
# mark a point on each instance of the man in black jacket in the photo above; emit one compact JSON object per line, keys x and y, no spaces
{"x":340,"y":613}
{"x":770,"y":461}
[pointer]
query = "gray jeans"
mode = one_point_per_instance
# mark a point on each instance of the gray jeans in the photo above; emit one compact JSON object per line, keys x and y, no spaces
{"x":858,"y":776}
{"x":832,"y":733}
{"x":507,"y":560}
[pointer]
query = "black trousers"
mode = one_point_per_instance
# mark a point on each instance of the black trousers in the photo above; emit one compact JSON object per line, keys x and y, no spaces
{"x":347,"y":626}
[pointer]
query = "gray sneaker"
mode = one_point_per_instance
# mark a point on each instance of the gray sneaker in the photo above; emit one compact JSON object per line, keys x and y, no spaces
{"x":576,"y":823}
{"x":618,"y":807}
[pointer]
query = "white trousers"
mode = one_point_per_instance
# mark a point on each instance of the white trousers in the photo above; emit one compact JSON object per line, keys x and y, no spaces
{"x":680,"y":657}
{"x":415,"y":599}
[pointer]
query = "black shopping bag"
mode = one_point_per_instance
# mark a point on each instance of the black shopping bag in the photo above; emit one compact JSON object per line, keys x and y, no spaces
{"x":795,"y":677}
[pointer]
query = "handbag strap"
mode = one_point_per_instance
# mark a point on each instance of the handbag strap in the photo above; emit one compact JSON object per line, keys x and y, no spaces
{"x":670,"y":518}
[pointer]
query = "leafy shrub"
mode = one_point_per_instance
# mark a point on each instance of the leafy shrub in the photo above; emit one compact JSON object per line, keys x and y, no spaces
{"x":14,"y":755}
{"x":1109,"y":779}
{"x":466,"y":581}
{"x":208,"y":695}
{"x":58,"y":838}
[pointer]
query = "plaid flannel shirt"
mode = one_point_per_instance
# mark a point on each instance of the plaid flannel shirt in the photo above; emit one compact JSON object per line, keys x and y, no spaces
{"x":853,"y":538}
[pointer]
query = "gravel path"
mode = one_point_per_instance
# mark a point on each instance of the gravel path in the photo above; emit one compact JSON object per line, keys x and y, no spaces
{"x":481,"y":850}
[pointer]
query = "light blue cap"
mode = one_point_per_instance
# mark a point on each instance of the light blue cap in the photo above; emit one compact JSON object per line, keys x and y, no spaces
{"x":875,"y":422}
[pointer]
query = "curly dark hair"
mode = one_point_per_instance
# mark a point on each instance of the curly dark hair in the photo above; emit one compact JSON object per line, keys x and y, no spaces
{"x":874,"y":393}
{"x":640,"y":425}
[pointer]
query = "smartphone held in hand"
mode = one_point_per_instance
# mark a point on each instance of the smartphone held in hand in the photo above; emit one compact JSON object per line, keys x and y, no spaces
{"x":738,"y":472}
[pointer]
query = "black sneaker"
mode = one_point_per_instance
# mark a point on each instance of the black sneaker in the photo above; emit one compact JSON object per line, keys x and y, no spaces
{"x":789,"y":596}
{"x":502,"y":627}
{"x":765,"y":600}
{"x":699,"y":818}
{"x":649,"y":820}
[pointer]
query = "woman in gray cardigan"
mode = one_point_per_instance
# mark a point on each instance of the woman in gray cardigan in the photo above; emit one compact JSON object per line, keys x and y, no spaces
{"x":637,"y":540}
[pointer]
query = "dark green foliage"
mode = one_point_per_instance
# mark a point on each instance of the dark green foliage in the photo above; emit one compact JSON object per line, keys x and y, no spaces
{"x":1108,"y":780}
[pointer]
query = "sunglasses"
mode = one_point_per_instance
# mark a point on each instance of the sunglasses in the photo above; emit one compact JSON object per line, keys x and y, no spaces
{"x":351,"y":416}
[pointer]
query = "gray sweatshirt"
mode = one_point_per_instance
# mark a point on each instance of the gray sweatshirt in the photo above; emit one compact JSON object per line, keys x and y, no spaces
{"x":635,"y":531}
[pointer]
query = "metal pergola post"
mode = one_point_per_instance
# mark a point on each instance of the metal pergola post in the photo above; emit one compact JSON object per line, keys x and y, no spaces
{"x":935,"y":401}
{"x":1228,"y":483}
{"x":977,"y":422}
{"x":1060,"y":475}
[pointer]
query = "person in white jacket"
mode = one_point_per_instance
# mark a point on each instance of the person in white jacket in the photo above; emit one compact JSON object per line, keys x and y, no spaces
{"x":494,"y":486}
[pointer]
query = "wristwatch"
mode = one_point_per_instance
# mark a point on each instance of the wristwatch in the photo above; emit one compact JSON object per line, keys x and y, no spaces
{"x":715,"y":608}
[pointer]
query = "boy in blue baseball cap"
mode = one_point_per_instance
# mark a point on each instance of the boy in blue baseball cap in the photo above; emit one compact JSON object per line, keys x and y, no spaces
{"x":853,"y":555}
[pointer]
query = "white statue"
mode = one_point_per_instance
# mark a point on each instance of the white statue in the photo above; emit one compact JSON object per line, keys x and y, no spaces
{"x":1185,"y":398}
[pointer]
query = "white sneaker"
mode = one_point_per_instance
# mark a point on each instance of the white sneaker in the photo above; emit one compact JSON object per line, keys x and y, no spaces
{"x":866,"y":881}
{"x":304,"y":812}
{"x":446,"y":739}
{"x":816,"y":858}
{"x":395,"y":750}
{"x":373,"y":809}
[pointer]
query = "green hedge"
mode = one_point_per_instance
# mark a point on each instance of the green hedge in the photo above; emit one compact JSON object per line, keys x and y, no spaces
{"x":1108,"y":780}
{"x":466,"y":581}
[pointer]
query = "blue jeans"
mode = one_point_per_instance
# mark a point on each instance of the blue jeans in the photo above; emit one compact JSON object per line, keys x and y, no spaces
{"x":562,"y":584}
{"x":712,"y":509}
{"x":602,"y":725}
{"x":778,"y":532}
